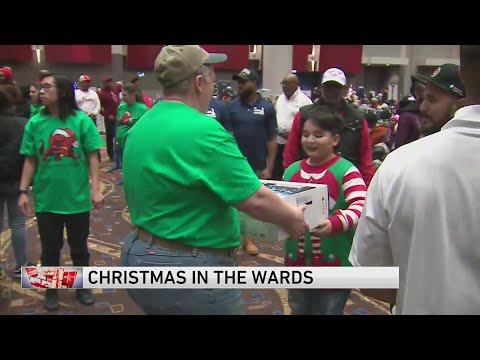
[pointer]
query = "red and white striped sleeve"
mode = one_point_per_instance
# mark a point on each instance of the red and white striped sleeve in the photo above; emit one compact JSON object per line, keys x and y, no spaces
{"x":354,"y":190}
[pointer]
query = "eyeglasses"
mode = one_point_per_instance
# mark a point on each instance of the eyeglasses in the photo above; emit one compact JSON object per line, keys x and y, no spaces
{"x":46,"y":87}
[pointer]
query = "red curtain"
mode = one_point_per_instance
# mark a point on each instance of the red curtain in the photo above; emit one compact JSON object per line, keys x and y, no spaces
{"x":17,"y":53}
{"x":300,"y":57}
{"x":78,"y":54}
{"x":142,"y":56}
{"x":237,"y":56}
{"x":345,"y":57}
{"x":210,"y":48}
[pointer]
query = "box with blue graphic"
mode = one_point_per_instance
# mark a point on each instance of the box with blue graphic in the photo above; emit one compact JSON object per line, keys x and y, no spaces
{"x":295,"y":194}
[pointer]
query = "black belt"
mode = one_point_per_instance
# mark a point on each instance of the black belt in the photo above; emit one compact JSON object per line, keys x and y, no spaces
{"x":144,"y":235}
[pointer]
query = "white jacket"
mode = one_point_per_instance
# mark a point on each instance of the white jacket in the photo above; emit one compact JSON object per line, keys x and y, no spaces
{"x":287,"y":109}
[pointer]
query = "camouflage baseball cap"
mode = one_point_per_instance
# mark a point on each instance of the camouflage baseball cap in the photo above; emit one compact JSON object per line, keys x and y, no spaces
{"x":245,"y":75}
{"x":176,"y":63}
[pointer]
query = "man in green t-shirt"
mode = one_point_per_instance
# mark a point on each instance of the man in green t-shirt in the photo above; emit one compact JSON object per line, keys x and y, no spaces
{"x":184,"y":179}
{"x":60,"y":145}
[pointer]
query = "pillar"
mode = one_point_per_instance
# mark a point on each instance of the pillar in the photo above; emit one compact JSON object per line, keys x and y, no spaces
{"x":277,"y":63}
{"x":117,"y":62}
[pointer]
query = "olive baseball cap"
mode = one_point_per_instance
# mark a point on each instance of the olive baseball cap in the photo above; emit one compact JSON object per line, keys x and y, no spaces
{"x":176,"y":63}
{"x":446,"y":77}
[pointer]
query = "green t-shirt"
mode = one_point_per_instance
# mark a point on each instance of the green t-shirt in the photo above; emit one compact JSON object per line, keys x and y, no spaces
{"x":183,"y":172}
{"x":61,"y":148}
{"x":127,"y":116}
{"x":35,"y":109}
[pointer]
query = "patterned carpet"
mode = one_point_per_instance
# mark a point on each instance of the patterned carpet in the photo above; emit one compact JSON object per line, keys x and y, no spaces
{"x":108,"y":227}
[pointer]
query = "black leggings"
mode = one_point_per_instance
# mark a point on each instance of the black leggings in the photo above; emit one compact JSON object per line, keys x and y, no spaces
{"x":50,"y":228}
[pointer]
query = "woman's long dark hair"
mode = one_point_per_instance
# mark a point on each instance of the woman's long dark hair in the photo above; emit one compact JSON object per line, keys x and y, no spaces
{"x":66,"y":95}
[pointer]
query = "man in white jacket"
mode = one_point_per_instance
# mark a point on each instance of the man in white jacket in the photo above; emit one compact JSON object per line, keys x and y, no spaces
{"x":421,"y":212}
{"x":287,"y":106}
{"x":87,"y":99}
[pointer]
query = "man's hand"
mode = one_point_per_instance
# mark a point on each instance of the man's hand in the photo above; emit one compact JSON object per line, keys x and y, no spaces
{"x":266,"y":174}
{"x":323,"y":230}
{"x":23,"y":205}
{"x":297,"y":227}
{"x":97,"y":200}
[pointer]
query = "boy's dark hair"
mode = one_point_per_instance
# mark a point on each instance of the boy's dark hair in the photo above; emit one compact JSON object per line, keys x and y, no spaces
{"x":66,"y":95}
{"x":326,"y":120}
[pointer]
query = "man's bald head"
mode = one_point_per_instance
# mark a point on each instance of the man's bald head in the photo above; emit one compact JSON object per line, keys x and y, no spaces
{"x":290,"y":84}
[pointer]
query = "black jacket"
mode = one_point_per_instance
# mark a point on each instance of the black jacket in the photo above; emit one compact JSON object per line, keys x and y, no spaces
{"x":11,"y":162}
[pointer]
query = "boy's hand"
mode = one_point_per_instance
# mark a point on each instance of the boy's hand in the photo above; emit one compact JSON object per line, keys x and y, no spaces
{"x":97,"y":200}
{"x":323,"y":230}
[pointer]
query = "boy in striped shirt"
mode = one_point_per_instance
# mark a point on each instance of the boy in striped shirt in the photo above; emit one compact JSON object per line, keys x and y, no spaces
{"x":330,"y":243}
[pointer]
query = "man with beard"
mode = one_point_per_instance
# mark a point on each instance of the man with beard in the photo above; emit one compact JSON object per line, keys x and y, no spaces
{"x":430,"y":229}
{"x":254,"y":126}
{"x":444,"y":94}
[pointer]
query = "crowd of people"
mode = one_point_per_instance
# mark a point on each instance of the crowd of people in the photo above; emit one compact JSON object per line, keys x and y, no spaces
{"x":377,"y":159}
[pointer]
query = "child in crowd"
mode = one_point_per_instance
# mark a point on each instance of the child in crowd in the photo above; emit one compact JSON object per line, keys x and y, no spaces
{"x":329,"y":244}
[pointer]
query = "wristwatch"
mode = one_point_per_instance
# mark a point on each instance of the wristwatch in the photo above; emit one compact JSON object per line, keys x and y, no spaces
{"x":20,"y":192}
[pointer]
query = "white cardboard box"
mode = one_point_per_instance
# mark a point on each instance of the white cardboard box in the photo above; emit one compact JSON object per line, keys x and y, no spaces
{"x":295,"y":194}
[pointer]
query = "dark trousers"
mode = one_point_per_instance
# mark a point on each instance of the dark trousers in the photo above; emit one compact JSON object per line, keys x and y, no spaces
{"x":278,"y":169}
{"x":50,"y":228}
{"x":110,"y":137}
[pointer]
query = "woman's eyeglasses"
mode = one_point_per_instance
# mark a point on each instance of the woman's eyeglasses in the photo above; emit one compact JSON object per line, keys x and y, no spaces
{"x":46,"y":87}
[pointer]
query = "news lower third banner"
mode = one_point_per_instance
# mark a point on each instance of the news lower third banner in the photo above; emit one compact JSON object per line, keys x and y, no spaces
{"x":210,"y":277}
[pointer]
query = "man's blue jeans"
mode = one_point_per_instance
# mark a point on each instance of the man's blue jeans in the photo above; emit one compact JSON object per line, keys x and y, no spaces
{"x":317,"y":301}
{"x":16,"y":222}
{"x":136,"y":252}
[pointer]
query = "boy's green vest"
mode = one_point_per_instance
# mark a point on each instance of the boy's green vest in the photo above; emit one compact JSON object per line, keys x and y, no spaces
{"x":337,"y":245}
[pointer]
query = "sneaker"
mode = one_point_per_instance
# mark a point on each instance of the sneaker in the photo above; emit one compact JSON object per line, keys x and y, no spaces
{"x":51,"y":300}
{"x":85,"y":296}
{"x":112,"y":169}
{"x":18,"y":270}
